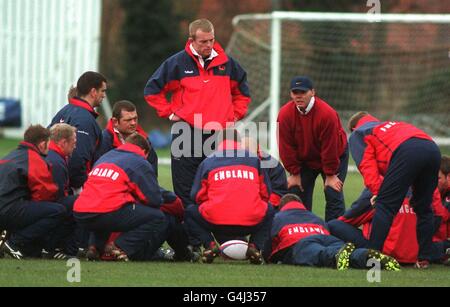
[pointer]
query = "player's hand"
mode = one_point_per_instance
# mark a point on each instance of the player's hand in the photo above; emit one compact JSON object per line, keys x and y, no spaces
{"x":334,"y":182}
{"x":373,"y":200}
{"x":295,"y":180}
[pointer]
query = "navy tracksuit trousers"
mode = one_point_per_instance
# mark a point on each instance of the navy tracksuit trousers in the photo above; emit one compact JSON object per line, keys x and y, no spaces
{"x":142,"y":228}
{"x":31,"y":221}
{"x":202,"y":230}
{"x":415,"y":163}
{"x":335,"y":203}
{"x":320,"y":251}
{"x":187,"y":153}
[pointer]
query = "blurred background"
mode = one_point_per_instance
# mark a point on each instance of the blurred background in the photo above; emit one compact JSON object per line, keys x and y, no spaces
{"x":46,"y":45}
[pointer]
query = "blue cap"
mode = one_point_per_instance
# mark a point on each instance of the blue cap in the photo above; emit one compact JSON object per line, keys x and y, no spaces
{"x":301,"y":83}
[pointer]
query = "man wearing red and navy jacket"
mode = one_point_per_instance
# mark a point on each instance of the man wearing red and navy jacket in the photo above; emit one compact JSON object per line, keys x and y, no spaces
{"x":27,"y":195}
{"x":299,"y":237}
{"x":392,"y":157}
{"x":231,"y":192}
{"x":312,"y":141}
{"x":80,"y":113}
{"x":208,"y":91}
{"x":63,"y":140}
{"x":122,"y":195}
{"x":401,"y":242}
{"x":123,"y":123}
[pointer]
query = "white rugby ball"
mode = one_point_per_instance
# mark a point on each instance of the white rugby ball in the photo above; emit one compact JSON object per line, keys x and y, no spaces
{"x":234,"y":250}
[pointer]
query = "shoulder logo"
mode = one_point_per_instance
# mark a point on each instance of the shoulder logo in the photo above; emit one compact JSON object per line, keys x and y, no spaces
{"x":61,"y":121}
{"x":189,"y":72}
{"x":222,"y":67}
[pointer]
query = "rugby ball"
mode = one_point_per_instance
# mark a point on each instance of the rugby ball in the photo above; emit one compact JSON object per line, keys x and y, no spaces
{"x":234,"y":250}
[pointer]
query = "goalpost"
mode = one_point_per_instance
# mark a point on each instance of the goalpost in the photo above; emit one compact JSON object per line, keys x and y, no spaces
{"x":396,"y":66}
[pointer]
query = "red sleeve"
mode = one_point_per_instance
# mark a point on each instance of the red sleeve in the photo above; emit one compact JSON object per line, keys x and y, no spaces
{"x":330,"y":137}
{"x":240,"y":101}
{"x":263,"y":189}
{"x":174,"y":208}
{"x":369,"y":169}
{"x":286,"y":144}
{"x":438,"y":207}
{"x":202,"y":194}
{"x":360,"y":220}
{"x":275,"y":199}
{"x":40,"y":179}
{"x":159,"y":101}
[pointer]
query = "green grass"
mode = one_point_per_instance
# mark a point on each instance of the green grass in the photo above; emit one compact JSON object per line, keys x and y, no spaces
{"x":221,"y":273}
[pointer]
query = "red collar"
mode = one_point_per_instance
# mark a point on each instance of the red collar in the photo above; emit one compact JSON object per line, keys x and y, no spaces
{"x":366,"y":119}
{"x":76,"y":101}
{"x":54,"y":147}
{"x":221,"y":59}
{"x":293,"y":205}
{"x":30,"y":146}
{"x":132,"y":148}
{"x":116,"y":140}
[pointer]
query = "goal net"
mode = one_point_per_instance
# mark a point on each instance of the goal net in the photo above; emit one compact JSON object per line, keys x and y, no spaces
{"x":394,"y":66}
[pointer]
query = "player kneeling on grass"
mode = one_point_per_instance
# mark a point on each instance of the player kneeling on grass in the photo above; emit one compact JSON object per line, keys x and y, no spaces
{"x":231,"y":193}
{"x":300,"y":237}
{"x":122,"y":194}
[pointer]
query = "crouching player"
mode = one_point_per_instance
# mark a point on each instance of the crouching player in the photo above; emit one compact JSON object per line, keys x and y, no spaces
{"x":231,"y":193}
{"x":300,"y":237}
{"x":122,"y":194}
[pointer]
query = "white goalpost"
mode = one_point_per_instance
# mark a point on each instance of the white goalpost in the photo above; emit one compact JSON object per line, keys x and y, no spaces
{"x":396,"y":66}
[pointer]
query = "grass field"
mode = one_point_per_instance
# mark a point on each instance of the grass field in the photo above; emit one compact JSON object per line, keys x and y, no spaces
{"x":220,"y":274}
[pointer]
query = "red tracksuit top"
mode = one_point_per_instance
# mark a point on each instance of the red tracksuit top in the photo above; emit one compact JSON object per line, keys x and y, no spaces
{"x":219,"y":93}
{"x":294,"y":223}
{"x":231,"y":188}
{"x":25,"y":175}
{"x":119,"y":177}
{"x":372,"y":144}
{"x":316,"y":139}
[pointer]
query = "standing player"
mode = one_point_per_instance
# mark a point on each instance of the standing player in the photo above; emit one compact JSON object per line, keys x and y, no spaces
{"x":312,"y":142}
{"x":392,"y":157}
{"x":204,"y":83}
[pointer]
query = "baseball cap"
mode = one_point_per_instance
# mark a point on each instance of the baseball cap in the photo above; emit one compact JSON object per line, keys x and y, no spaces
{"x":301,"y":83}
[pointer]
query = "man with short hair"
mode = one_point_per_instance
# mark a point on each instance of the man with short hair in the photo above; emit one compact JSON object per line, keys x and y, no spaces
{"x":203,"y":81}
{"x":80,"y":113}
{"x":312,"y":141}
{"x":124,"y":122}
{"x":122,"y":194}
{"x":63,"y":139}
{"x":28,"y":194}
